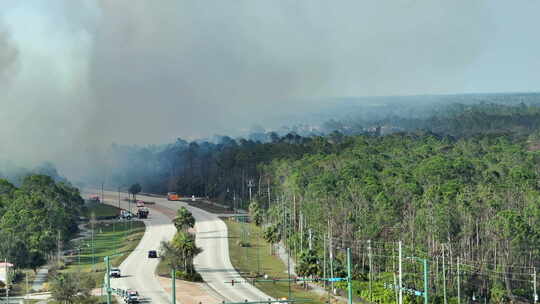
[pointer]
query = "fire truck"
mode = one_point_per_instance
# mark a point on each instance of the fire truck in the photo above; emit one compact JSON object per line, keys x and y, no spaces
{"x":173,"y":196}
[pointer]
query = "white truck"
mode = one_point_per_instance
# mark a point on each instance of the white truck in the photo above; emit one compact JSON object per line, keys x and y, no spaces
{"x":115,"y":273}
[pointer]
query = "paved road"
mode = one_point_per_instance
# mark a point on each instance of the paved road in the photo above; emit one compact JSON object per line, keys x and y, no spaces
{"x":213,"y":263}
{"x":40,"y":279}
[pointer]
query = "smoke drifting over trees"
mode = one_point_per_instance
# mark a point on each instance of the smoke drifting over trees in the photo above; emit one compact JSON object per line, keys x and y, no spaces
{"x":88,"y":73}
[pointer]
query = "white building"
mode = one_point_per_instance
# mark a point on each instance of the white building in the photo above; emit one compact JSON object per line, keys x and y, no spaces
{"x":3,"y":268}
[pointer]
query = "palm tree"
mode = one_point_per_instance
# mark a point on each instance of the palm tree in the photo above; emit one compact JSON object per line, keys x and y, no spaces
{"x":185,"y":242}
{"x":184,"y":219}
{"x":180,"y":252}
{"x":271,"y":235}
{"x":134,"y":190}
{"x":172,"y":255}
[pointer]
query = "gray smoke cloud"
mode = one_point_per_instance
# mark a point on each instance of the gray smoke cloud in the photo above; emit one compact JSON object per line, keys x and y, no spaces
{"x":89,"y":73}
{"x":8,"y":56}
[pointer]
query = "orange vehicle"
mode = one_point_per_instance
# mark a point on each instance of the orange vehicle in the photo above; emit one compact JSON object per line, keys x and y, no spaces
{"x":173,"y":196}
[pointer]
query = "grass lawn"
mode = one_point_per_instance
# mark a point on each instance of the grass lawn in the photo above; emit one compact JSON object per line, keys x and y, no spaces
{"x":209,"y":207}
{"x":163,"y":269}
{"x":19,"y":288}
{"x":100,"y":210}
{"x":245,"y":260}
{"x":109,"y":240}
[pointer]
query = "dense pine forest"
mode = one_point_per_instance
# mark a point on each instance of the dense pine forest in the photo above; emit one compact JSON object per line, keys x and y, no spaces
{"x":460,"y":189}
{"x":35,"y":218}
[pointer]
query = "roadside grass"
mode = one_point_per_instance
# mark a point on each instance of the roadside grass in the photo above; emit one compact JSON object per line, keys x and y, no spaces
{"x":100,"y":210}
{"x":163,"y":270}
{"x":248,"y":260}
{"x":19,"y":288}
{"x":114,"y":239}
{"x":209,"y":207}
{"x":92,"y":299}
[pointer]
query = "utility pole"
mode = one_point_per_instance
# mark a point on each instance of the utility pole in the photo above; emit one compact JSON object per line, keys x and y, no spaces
{"x":58,"y":247}
{"x":458,"y":283}
{"x":7,"y":279}
{"x":310,"y":237}
{"x":349,"y":276}
{"x":258,"y":253}
{"x":108,"y":264}
{"x":130,"y":214}
{"x":234,"y":201}
{"x":370,"y":271}
{"x":535,"y":296}
{"x":444,"y":278}
{"x":426,"y":283}
{"x":268,"y":180}
{"x":400,"y":269}
{"x":301,"y":232}
{"x":92,"y":221}
{"x":173,"y":290}
{"x":250,"y":185}
{"x":288,"y":256}
{"x":324,"y":260}
{"x":330,"y":241}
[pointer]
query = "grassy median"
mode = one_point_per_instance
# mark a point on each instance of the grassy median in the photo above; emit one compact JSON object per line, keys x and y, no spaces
{"x":258,"y":259}
{"x":100,"y":210}
{"x":115,"y":239}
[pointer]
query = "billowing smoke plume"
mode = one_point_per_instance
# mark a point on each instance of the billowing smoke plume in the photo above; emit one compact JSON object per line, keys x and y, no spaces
{"x":84,"y":74}
{"x":8,"y":54}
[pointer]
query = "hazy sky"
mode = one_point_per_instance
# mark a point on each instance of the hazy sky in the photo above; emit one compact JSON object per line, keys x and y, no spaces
{"x":76,"y":74}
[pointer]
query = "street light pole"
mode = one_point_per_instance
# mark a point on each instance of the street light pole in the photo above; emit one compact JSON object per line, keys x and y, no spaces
{"x":234,"y":201}
{"x":173,"y":289}
{"x":426,"y":271}
{"x":93,"y":256}
{"x":535,"y":296}
{"x":250,"y":185}
{"x":349,"y":276}
{"x":400,"y":267}
{"x":108,"y":264}
{"x":7,"y":279}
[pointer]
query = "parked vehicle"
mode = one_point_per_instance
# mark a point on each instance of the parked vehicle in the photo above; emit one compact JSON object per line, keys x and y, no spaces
{"x":143,"y":212}
{"x":152,"y":254}
{"x":115,"y":273}
{"x":140,"y":203}
{"x":124,"y":214}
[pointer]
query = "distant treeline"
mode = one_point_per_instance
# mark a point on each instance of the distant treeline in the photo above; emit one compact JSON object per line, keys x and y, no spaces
{"x":211,"y":168}
{"x":15,"y":174}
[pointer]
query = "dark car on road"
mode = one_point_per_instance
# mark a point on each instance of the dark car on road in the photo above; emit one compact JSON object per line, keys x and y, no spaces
{"x":152,"y":254}
{"x":131,"y":296}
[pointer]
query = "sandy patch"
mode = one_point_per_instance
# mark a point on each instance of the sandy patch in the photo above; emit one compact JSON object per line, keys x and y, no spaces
{"x":188,"y":292}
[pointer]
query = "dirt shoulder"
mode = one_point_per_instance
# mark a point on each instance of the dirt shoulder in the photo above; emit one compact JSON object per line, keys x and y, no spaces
{"x":188,"y":292}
